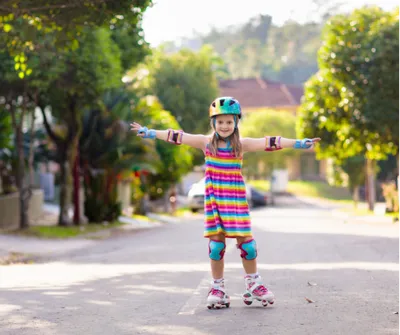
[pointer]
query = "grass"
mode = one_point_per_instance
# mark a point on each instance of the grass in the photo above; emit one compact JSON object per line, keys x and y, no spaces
{"x":319,"y":190}
{"x":314,"y":189}
{"x":262,"y":185}
{"x":141,"y":217}
{"x":66,"y":232}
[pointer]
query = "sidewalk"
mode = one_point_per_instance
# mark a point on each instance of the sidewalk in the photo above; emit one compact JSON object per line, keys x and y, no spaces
{"x":36,"y":247}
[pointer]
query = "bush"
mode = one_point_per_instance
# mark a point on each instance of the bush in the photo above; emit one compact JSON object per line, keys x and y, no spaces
{"x":389,"y":191}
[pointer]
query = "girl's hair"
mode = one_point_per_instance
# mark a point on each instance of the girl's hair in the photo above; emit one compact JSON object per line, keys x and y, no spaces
{"x":234,"y":140}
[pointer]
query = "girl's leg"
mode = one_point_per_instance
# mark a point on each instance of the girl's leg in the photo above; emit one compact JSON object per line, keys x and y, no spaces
{"x":249,"y":266}
{"x":255,"y":289}
{"x":217,"y":266}
{"x":217,"y":296}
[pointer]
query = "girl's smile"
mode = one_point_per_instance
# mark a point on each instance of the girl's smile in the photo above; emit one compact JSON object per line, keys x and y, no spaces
{"x":225,"y":125}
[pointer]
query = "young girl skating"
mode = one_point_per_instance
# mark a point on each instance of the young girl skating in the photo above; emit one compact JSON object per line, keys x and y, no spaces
{"x":225,"y":207}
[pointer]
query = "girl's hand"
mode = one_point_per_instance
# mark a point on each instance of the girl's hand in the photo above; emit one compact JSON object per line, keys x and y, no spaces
{"x":136,"y":127}
{"x":314,"y":140}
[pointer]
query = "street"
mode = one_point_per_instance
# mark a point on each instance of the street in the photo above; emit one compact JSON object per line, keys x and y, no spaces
{"x":155,"y":281}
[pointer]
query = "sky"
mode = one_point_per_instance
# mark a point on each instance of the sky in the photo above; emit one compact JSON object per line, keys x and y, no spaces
{"x":170,"y":20}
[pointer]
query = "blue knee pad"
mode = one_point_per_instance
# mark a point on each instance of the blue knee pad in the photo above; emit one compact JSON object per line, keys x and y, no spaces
{"x":248,"y":250}
{"x":216,"y":250}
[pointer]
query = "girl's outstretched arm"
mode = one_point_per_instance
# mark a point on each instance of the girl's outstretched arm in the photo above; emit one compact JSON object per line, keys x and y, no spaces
{"x":172,"y":136}
{"x":272,"y":143}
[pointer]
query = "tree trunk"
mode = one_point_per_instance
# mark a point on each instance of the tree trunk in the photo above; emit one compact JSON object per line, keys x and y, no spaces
{"x":76,"y":177}
{"x":371,"y":184}
{"x":398,"y":175}
{"x":65,"y":193}
{"x":172,"y":198}
{"x":23,"y":190}
{"x":356,"y":197}
{"x":31,"y":150}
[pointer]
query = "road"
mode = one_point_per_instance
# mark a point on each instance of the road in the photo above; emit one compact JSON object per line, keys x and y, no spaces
{"x":155,"y":281}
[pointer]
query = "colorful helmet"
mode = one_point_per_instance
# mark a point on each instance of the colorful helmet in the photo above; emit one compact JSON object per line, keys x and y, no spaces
{"x":225,"y":105}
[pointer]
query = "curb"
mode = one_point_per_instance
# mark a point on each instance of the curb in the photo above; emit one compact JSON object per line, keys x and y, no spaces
{"x":35,"y":246}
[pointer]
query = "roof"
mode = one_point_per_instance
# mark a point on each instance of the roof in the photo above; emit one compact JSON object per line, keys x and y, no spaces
{"x":256,"y":92}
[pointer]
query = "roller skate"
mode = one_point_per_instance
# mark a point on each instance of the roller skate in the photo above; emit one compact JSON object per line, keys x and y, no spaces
{"x":256,"y":290}
{"x":217,"y":297}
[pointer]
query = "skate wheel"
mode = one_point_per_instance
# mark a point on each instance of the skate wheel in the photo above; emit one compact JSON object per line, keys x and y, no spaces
{"x":227,"y":305}
{"x":248,"y":303}
{"x":265,"y":303}
{"x":210,"y":306}
{"x":271,"y":302}
{"x":218,"y":306}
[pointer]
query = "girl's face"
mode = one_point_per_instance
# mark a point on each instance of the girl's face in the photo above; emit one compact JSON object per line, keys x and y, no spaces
{"x":225,"y":125}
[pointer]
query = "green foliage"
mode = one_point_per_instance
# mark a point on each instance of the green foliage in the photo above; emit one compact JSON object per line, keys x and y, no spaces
{"x":354,"y":167}
{"x":267,"y":123}
{"x":6,"y":146}
{"x":185,"y":84}
{"x":88,"y":72}
{"x":352,"y":102}
{"x":315,"y":189}
{"x":58,"y":232}
{"x":26,"y":24}
{"x":391,"y":195}
{"x":360,"y":56}
{"x":5,"y":130}
{"x":175,"y":161}
{"x":108,"y":152}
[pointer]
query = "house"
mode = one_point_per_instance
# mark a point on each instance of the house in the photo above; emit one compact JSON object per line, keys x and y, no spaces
{"x":256,"y":94}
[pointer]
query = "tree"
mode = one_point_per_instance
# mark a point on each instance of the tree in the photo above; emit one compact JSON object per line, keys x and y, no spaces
{"x":349,"y":56}
{"x":32,"y":30}
{"x":354,"y":168}
{"x":382,"y":103}
{"x":109,"y":151}
{"x":175,"y":161}
{"x":185,"y":85}
{"x":325,"y":113}
{"x":90,"y":70}
{"x":14,"y":101}
{"x":6,"y":145}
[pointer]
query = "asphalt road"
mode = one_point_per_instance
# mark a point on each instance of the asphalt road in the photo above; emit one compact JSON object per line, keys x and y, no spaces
{"x":155,"y":281}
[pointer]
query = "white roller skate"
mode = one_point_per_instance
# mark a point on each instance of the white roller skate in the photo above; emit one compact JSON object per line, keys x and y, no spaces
{"x":256,"y":290}
{"x":217,"y":297}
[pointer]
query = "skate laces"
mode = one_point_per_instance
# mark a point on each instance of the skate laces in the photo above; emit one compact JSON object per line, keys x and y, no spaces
{"x":216,"y":292}
{"x":260,"y":290}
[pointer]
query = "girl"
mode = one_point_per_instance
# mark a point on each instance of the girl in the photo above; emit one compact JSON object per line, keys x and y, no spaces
{"x":226,"y":209}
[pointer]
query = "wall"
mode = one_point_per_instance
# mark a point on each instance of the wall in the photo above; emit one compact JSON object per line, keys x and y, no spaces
{"x":9,"y":209}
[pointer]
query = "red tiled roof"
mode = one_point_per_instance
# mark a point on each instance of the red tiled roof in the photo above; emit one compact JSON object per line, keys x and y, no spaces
{"x":255,"y":92}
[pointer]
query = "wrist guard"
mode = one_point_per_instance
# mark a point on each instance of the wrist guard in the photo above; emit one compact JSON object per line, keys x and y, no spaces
{"x":175,"y":136}
{"x":149,"y":133}
{"x":272,"y":143}
{"x":303,"y":144}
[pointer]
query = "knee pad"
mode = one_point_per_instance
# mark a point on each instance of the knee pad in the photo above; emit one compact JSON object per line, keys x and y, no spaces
{"x":248,"y":250}
{"x":216,"y":250}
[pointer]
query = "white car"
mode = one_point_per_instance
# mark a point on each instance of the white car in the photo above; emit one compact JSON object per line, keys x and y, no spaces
{"x":196,"y":196}
{"x":197,"y":192}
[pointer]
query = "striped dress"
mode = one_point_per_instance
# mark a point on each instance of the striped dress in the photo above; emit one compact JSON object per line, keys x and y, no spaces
{"x":225,"y":206}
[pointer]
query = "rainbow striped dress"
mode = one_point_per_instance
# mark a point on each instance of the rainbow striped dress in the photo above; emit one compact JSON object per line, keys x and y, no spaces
{"x":225,"y":207}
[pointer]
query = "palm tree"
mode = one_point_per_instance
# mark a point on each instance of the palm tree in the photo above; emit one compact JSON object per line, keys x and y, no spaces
{"x":109,"y":150}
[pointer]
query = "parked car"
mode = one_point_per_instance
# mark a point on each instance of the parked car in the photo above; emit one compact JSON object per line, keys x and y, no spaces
{"x":196,"y":195}
{"x":255,"y":198}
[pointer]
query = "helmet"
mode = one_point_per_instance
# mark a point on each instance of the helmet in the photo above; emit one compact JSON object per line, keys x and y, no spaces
{"x":225,"y":105}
